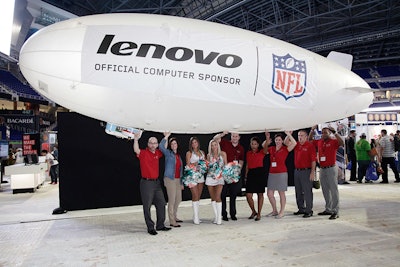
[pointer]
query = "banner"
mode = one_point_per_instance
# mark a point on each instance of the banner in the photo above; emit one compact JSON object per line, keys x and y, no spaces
{"x":31,"y":144}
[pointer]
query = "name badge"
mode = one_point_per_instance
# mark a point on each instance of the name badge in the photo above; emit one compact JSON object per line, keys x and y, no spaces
{"x":273,"y":164}
{"x":322,"y":158}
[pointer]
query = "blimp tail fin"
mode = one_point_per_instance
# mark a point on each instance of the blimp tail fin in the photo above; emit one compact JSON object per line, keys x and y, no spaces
{"x":344,"y":60}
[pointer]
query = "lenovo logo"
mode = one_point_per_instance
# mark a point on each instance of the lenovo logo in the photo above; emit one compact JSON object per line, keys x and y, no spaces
{"x":127,"y":48}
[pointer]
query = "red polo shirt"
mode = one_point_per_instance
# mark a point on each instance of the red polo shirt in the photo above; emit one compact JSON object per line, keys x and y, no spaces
{"x":255,"y":160}
{"x":304,"y":155}
{"x":149,"y":163}
{"x":232,"y":152}
{"x":326,"y":151}
{"x":278,"y":159}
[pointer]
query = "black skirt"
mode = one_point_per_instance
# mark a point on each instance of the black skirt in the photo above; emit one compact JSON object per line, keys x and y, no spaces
{"x":256,"y":180}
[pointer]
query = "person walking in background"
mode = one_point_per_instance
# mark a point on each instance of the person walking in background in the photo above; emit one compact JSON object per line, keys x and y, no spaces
{"x":396,"y":140}
{"x":341,"y":166}
{"x":363,"y":149}
{"x":55,"y":155}
{"x":375,"y":155}
{"x":172,"y":177}
{"x":351,"y":154}
{"x":234,"y":153}
{"x":51,"y":166}
{"x":195,"y":175}
{"x":255,"y":175}
{"x":327,"y":147}
{"x":304,"y":162}
{"x":214,"y":181}
{"x":150,"y":186}
{"x":278,"y":176}
{"x":386,"y":157}
{"x":55,"y":152}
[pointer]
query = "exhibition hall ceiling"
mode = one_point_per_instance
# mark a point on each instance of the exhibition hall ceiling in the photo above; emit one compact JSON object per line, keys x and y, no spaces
{"x":369,"y":30}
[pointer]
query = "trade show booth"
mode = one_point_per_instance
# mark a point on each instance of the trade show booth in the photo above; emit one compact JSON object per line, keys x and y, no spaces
{"x":26,"y":176}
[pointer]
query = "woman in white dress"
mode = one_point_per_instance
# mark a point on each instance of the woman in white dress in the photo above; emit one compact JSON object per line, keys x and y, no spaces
{"x":214,"y":180}
{"x":193,"y":159}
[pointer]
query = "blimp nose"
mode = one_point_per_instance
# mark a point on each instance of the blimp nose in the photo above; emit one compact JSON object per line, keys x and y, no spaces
{"x":49,"y":49}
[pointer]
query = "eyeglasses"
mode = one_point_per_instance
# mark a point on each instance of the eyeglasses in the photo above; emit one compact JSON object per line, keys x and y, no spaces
{"x":153,"y":143}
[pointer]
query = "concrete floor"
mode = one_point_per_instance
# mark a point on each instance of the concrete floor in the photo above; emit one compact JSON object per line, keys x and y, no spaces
{"x":366,"y":234}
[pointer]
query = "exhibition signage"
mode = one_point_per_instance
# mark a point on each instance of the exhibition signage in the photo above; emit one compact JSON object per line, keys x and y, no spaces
{"x":30,"y":144}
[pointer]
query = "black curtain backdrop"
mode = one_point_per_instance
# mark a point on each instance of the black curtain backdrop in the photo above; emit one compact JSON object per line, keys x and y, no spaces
{"x":98,"y":170}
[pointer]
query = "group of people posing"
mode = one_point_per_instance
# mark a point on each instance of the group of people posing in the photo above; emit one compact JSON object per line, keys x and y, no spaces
{"x":220,"y":168}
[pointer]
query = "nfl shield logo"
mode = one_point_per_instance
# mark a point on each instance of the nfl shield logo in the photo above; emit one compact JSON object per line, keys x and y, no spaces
{"x":289,"y":78}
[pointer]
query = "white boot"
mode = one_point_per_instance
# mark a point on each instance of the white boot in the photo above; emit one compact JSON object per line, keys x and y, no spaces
{"x":219,"y":212}
{"x":198,"y":205}
{"x":195,"y":205}
{"x":214,"y":206}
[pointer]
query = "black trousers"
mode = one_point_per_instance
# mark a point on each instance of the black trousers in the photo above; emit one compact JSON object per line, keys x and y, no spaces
{"x":353,"y":171}
{"x":362,"y":169}
{"x":232,"y":190}
{"x":392,"y":164}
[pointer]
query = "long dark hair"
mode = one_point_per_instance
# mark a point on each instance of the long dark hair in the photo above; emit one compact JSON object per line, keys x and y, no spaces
{"x":169,"y":144}
{"x":191,"y":141}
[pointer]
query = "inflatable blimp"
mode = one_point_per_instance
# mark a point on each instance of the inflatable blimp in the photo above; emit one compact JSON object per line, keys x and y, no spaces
{"x":164,"y":73}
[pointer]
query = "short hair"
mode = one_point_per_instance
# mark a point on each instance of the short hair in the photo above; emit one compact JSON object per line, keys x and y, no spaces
{"x":152,"y":138}
{"x":384,"y":131}
{"x":235,"y":133}
{"x":302,"y":131}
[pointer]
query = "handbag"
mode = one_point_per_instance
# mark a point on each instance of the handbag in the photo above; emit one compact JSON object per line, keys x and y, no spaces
{"x":373,"y":152}
{"x":372,"y":174}
{"x":316,"y":184}
{"x":348,"y":167}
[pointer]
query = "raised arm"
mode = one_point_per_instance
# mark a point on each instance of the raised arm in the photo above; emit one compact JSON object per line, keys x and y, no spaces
{"x":219,"y":136}
{"x":136,"y":148}
{"x":267,"y":142}
{"x":292,"y":142}
{"x":338,"y":137}
{"x":311,"y":134}
{"x":166,"y":136}
{"x":164,"y":143}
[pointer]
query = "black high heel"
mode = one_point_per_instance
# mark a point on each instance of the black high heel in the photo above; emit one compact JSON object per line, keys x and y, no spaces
{"x":252,"y":216}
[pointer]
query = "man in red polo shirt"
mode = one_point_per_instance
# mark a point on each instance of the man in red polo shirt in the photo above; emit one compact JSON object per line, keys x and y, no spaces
{"x":304,"y":174}
{"x":150,"y":186}
{"x":234,"y":152}
{"x":327,"y":147}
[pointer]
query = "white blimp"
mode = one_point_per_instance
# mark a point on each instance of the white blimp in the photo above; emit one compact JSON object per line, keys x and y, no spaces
{"x":164,"y":73}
